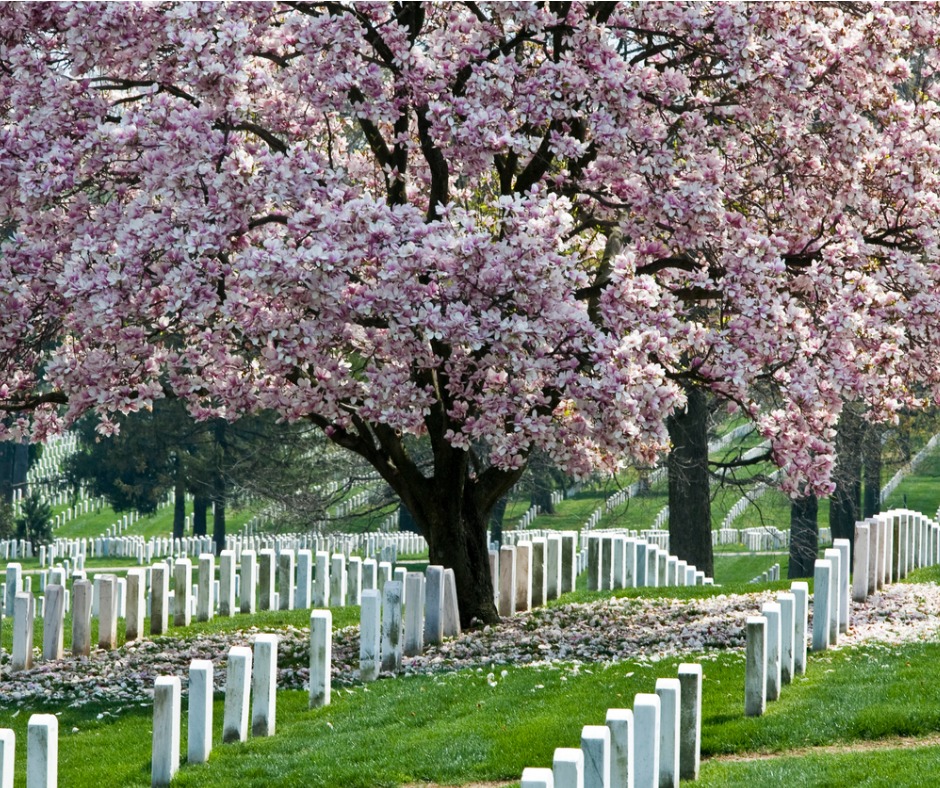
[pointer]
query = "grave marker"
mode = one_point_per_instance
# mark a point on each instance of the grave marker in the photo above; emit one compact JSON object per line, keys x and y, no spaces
{"x":166,"y":730}
{"x":321,"y":657}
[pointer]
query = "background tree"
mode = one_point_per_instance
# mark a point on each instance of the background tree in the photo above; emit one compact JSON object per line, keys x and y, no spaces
{"x":35,"y":521}
{"x":507,"y":228}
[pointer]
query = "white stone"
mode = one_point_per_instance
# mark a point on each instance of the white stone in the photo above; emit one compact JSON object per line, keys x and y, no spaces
{"x":414,"y":614}
{"x":646,"y":737}
{"x":166,"y":730}
{"x":670,"y":699}
{"x":354,"y":580}
{"x":755,"y":667}
{"x":182,"y":588}
{"x":434,"y":606}
{"x":267,"y":576}
{"x":539,"y":580}
{"x":201,"y":692}
{"x":107,"y":612}
{"x":822,"y":583}
{"x":159,"y":599}
{"x":338,"y":580}
{"x":227,"y":576}
{"x":370,"y":635}
{"x":392,"y":626}
{"x":53,"y":645}
{"x":81,"y":618}
{"x":800,"y":591}
{"x":690,"y":720}
{"x":321,"y":656}
{"x":620,"y":723}
{"x":42,"y":748}
{"x":787,"y":603}
{"x":451,"y":610}
{"x":304,"y":579}
{"x":7,"y":757}
{"x":537,"y":778}
{"x":843,"y":547}
{"x":595,"y":744}
{"x":205,"y":600}
{"x":553,"y":567}
{"x":771,"y":611}
{"x":507,"y":581}
{"x":568,"y":767}
{"x":23,"y":614}
{"x":834,"y":556}
{"x":264,"y":686}
{"x":237,"y":694}
{"x":248,"y":581}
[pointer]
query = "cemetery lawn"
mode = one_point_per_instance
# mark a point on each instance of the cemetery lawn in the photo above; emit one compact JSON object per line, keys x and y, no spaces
{"x":843,"y":724}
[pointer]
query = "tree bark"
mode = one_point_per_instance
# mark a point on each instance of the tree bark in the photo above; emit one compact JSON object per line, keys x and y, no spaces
{"x":450,"y":501}
{"x":871,"y":457}
{"x":846,"y":500}
{"x":690,"y":520}
{"x":179,"y":500}
{"x":804,"y":536}
{"x":200,"y":515}
{"x":218,"y":521}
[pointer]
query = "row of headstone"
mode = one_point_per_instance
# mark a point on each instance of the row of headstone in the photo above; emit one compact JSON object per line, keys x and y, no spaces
{"x":655,"y":744}
{"x":528,"y":574}
{"x":909,"y":467}
{"x":775,"y":650}
{"x":615,"y":561}
{"x":166,"y":592}
{"x":765,"y":538}
{"x":770,"y":576}
{"x":250,"y":699}
{"x":889,"y":546}
{"x":404,"y":617}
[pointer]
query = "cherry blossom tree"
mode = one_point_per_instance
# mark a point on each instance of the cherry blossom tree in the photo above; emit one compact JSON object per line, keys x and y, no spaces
{"x":508,"y":227}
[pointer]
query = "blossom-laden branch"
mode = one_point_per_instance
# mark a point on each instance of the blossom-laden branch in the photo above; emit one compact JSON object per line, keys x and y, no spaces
{"x":392,"y":218}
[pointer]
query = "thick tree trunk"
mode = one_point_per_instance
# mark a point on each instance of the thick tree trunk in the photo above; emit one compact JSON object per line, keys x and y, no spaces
{"x":804,"y":536}
{"x":460,"y":544}
{"x":218,"y":522}
{"x":179,"y":501}
{"x":200,"y":515}
{"x":871,"y":450}
{"x":496,"y":519}
{"x":690,"y":521}
{"x":846,"y":500}
{"x":6,"y":472}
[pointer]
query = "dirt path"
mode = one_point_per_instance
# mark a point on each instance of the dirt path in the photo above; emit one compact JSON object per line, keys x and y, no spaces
{"x":895,"y":743}
{"x":892,"y":743}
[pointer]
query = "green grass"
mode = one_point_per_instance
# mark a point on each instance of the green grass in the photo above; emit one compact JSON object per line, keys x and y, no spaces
{"x":456,"y":728}
{"x":742,"y":568}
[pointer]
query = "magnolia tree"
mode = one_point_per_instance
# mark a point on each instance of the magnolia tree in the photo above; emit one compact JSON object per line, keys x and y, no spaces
{"x":507,"y":227}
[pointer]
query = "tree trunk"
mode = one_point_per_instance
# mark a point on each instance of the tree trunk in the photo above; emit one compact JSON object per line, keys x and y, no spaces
{"x":451,"y":505}
{"x":200,"y":515}
{"x":218,"y":522}
{"x":460,"y":544}
{"x":846,"y":500}
{"x":179,"y":500}
{"x":690,"y":520}
{"x":804,"y":536}
{"x":6,"y":472}
{"x":871,"y":457}
{"x":496,"y":519}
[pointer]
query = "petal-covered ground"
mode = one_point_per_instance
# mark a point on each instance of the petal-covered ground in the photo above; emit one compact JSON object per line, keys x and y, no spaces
{"x":603,"y":631}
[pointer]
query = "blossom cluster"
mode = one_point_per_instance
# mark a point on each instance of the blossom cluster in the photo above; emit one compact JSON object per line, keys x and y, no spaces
{"x":518,"y":228}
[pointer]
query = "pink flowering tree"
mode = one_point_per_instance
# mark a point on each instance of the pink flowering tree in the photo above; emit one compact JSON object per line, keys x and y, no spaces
{"x":506,"y":227}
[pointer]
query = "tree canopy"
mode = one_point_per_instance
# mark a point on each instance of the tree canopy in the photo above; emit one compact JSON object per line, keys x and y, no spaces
{"x":511,"y":227}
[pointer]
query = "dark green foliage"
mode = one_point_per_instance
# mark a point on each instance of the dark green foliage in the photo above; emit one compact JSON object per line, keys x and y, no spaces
{"x":35,"y":521}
